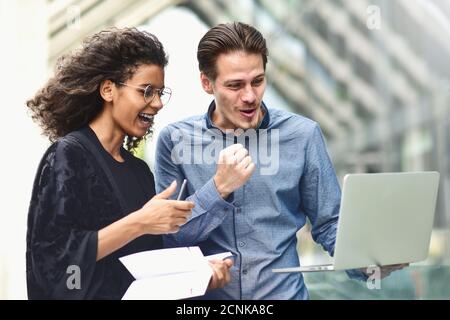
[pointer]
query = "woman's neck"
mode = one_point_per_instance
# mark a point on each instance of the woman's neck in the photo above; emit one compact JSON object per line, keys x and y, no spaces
{"x":109,"y":136}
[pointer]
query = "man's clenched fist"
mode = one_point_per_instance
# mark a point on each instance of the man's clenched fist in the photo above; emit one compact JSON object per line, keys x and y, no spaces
{"x":234,"y":168}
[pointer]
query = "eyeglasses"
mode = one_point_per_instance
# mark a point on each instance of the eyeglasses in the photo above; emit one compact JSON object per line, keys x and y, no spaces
{"x":150,"y":92}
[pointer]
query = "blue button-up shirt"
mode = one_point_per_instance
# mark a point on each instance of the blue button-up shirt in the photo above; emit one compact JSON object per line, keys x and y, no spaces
{"x":294,"y":180}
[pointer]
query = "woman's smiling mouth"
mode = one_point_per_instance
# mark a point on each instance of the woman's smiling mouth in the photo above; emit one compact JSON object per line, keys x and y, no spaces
{"x":146,"y":119}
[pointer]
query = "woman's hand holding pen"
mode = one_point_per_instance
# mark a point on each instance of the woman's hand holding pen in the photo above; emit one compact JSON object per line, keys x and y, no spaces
{"x":162,"y":216}
{"x":157,"y":216}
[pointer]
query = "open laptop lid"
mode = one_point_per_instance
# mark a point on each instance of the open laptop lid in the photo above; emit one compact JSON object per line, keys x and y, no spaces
{"x":385,"y":218}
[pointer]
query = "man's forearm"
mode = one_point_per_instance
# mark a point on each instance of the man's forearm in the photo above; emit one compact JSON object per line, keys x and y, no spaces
{"x":209,"y":213}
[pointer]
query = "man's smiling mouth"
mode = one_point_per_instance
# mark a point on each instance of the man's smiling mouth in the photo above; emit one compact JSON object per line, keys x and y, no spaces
{"x":248,"y":113}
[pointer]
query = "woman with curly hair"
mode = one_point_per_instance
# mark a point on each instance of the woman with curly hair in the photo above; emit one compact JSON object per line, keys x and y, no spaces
{"x":93,"y":201}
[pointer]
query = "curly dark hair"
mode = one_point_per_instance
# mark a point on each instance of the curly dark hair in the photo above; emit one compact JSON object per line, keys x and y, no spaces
{"x":71,"y":98}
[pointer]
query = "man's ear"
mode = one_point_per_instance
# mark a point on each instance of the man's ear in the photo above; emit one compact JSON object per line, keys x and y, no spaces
{"x":206,"y":83}
{"x":106,"y":90}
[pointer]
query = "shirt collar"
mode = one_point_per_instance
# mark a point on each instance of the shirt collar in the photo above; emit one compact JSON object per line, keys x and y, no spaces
{"x":263,"y":125}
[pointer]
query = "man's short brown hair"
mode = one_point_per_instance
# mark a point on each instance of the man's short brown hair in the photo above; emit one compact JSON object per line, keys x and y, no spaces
{"x":228,"y":37}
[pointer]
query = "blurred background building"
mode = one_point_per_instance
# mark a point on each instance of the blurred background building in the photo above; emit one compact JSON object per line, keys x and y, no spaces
{"x":374,"y":74}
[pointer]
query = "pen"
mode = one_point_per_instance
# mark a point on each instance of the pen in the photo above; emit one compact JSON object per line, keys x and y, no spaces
{"x":182,"y":188}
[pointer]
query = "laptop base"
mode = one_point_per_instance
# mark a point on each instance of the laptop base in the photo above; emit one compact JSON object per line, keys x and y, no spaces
{"x":318,"y":268}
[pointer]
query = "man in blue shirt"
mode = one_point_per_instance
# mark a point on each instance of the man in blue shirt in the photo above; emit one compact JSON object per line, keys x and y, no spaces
{"x":255,"y":173}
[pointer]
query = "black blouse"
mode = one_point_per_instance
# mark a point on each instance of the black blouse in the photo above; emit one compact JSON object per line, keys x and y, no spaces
{"x":73,"y":199}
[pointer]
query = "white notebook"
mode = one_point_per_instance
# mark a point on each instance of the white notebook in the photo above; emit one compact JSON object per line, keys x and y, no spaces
{"x":167,"y":274}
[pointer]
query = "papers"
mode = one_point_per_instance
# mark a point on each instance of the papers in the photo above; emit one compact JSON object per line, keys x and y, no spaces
{"x":168,"y":274}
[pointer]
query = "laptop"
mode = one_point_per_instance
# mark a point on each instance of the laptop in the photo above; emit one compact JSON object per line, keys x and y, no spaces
{"x":384,"y":219}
